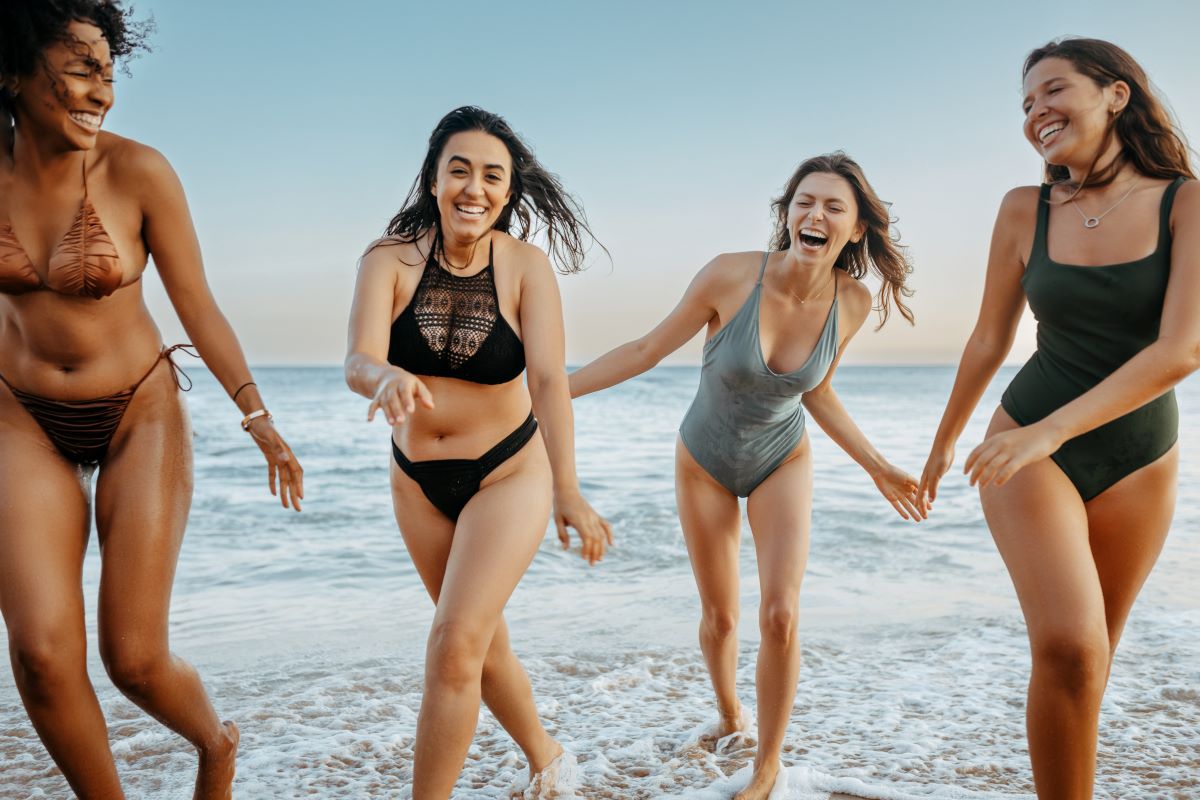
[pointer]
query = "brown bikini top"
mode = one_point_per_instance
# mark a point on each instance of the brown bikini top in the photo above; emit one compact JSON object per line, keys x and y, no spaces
{"x":84,"y":263}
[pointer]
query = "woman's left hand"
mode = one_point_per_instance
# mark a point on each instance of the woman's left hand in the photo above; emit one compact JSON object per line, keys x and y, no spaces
{"x":900,"y":489}
{"x":281,"y":462}
{"x":595,"y":533}
{"x":1002,"y":454}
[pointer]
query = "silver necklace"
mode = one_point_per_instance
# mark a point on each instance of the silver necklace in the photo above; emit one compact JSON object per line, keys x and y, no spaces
{"x":1092,"y":222}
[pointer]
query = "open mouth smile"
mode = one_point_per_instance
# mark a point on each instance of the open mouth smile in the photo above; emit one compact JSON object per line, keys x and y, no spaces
{"x":470,"y":211}
{"x":86,"y":120}
{"x":812,"y":238}
{"x":1049,"y":132}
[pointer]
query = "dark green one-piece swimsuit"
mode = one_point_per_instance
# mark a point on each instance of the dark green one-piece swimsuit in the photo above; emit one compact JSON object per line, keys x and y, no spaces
{"x":1090,"y":321}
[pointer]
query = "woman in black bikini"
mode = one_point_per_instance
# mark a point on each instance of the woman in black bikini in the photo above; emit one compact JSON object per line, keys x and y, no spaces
{"x":449,"y":310}
{"x":1077,"y":473}
{"x":81,"y":212}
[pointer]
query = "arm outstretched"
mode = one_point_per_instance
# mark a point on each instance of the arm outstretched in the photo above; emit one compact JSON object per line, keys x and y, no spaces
{"x":695,"y":309}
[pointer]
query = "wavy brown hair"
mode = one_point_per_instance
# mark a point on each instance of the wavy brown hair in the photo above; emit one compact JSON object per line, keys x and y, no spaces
{"x":1150,"y":138}
{"x":539,"y":203}
{"x":879,"y":250}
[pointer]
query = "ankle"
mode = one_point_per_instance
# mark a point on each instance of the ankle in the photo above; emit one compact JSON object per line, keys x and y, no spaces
{"x":219,"y":742}
{"x":545,"y":754}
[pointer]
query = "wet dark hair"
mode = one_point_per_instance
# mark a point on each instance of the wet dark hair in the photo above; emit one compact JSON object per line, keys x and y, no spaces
{"x":28,"y":27}
{"x":538,"y":201}
{"x":1150,"y":138}
{"x":879,"y":249}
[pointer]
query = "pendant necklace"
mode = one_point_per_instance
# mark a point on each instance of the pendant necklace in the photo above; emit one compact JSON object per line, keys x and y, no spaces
{"x":815,"y":294}
{"x":1092,"y":222}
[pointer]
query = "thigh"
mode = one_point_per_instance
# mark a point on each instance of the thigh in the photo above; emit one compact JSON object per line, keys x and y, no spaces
{"x":495,"y":539}
{"x":1127,"y":526}
{"x":780,"y":512}
{"x":427,"y":532}
{"x":712,"y":530}
{"x":143,"y":494}
{"x":1040,"y":527}
{"x":43,"y":537}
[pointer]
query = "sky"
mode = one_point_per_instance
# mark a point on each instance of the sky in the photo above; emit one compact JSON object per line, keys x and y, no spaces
{"x":297,"y":129}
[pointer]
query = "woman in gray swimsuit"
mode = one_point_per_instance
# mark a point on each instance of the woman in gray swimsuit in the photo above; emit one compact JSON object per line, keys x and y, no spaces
{"x":777,"y":323}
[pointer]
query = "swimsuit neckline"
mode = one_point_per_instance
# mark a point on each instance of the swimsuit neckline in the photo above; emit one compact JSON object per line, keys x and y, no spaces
{"x":85,"y":240}
{"x":1158,"y":245}
{"x":762,"y":359}
{"x":456,"y":274}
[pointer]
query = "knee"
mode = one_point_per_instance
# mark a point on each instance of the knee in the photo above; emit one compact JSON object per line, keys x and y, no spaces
{"x":1076,"y":665}
{"x":44,"y":662}
{"x":499,"y":659}
{"x":719,"y":623}
{"x":778,"y":620}
{"x":132,"y":667}
{"x":454,"y":656}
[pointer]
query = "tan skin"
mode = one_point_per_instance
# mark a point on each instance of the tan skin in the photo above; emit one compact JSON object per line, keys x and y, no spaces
{"x":780,"y":507}
{"x":1077,"y":567}
{"x":67,"y":347}
{"x":471,"y":567}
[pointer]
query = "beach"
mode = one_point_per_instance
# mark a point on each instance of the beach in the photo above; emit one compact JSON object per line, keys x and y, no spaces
{"x":309,"y":628}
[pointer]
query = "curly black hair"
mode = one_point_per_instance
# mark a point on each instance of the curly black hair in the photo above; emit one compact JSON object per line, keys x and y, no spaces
{"x":539,"y":203}
{"x":28,"y":27}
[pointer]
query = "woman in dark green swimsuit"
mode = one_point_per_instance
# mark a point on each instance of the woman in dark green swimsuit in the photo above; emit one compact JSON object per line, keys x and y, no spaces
{"x":1077,"y":473}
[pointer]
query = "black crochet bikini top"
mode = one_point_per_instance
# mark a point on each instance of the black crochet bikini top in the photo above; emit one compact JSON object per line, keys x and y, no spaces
{"x":453,"y":328}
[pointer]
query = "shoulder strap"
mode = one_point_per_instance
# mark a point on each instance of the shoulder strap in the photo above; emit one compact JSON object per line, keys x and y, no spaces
{"x":1164,"y":216}
{"x":491,"y":269}
{"x":762,"y":270}
{"x":1043,"y":222}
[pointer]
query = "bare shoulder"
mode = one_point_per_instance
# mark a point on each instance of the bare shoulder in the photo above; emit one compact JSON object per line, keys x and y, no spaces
{"x":386,"y":255}
{"x":854,"y":296}
{"x":1020,"y":205}
{"x":524,"y":258}
{"x":133,"y":164}
{"x":1186,"y":208}
{"x":727,"y":271}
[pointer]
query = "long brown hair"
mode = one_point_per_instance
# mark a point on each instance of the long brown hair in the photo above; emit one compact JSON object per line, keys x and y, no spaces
{"x":1150,"y":138}
{"x":539,"y":203}
{"x":879,"y":249}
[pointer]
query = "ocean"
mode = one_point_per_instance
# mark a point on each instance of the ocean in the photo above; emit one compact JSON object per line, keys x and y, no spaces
{"x":309,"y":628}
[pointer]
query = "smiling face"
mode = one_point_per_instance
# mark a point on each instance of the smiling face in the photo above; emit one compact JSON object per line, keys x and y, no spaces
{"x":1067,"y":114}
{"x":473,"y":184}
{"x":68,"y":96}
{"x":823,"y":217}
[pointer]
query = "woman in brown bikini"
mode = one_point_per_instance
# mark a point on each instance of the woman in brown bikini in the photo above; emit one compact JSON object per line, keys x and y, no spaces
{"x":84,"y":385}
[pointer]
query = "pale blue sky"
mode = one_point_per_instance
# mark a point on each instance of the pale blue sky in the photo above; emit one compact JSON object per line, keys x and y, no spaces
{"x":297,"y":132}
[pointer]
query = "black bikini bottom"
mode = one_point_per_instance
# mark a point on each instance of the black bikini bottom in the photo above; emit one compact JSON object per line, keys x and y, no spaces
{"x":82,"y":430}
{"x":450,"y":483}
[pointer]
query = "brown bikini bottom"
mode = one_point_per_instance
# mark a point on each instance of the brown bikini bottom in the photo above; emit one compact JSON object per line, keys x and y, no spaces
{"x":82,"y":430}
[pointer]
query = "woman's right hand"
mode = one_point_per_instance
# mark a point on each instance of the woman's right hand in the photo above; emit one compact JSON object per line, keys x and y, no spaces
{"x":595,"y":534}
{"x":397,"y":395}
{"x":937,"y":465}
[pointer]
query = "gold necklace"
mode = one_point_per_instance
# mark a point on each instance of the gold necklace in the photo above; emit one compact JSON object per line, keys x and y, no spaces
{"x":814,"y":295}
{"x":1092,"y":222}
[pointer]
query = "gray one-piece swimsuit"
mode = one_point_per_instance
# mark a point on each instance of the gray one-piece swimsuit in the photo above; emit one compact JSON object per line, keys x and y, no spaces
{"x":746,"y":418}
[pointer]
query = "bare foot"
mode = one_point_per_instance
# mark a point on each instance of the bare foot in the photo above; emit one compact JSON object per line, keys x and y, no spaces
{"x":552,"y":751}
{"x":214,"y":780}
{"x":739,"y":720}
{"x":556,"y":780}
{"x":762,"y":783}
